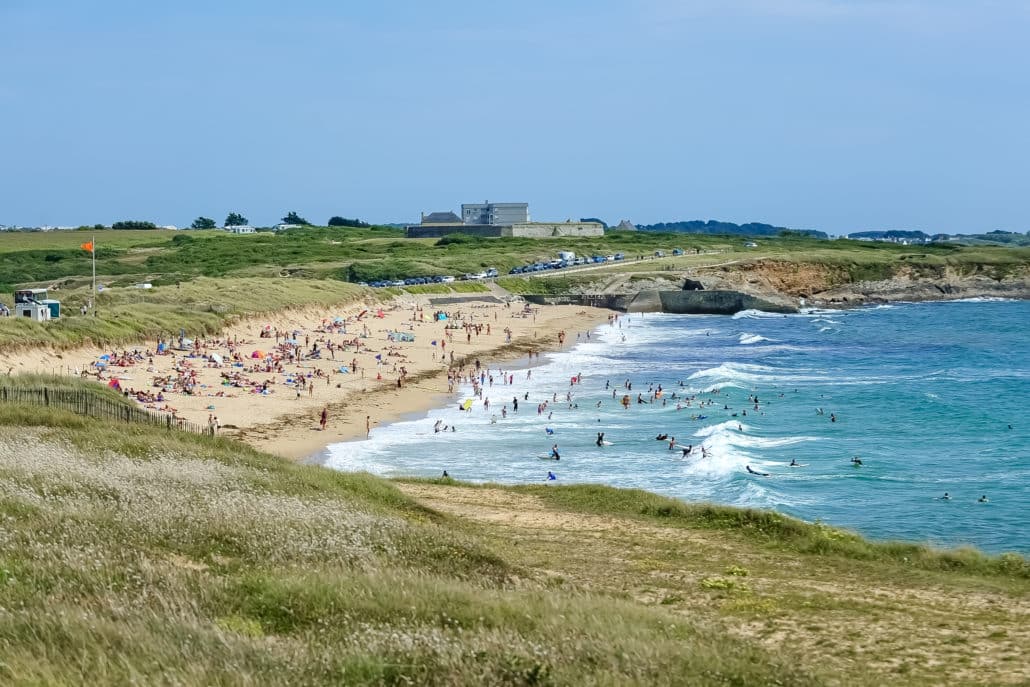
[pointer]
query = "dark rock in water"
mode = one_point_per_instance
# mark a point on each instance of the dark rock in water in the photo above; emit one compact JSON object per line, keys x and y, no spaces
{"x":693,"y":285}
{"x":716,"y":303}
{"x":679,"y":302}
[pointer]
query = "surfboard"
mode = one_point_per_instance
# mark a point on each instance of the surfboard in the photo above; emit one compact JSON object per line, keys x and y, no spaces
{"x":605,"y":442}
{"x":799,"y":465}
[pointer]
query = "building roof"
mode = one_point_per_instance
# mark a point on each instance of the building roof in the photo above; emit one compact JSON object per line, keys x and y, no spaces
{"x":441,"y":218}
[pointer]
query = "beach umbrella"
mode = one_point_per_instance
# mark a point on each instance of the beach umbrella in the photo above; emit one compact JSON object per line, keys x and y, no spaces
{"x":217,"y":358}
{"x":337,"y":320}
{"x":115,"y":384}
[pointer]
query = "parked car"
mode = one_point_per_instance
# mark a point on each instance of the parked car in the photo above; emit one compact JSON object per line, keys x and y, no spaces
{"x":491,"y":273}
{"x":609,"y":258}
{"x":659,"y":253}
{"x":677,"y":251}
{"x":448,"y":279}
{"x":619,"y":256}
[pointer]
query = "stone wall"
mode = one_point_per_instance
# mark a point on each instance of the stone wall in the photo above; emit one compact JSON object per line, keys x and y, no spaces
{"x":540,"y":230}
{"x":430,"y":231}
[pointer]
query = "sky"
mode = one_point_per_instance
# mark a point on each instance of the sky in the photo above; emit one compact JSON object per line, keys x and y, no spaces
{"x":838,"y":115}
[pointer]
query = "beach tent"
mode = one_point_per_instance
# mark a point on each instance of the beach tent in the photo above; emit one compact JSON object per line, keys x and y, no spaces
{"x":467,"y":405}
{"x":344,"y":370}
{"x":162,"y":347}
{"x":338,"y":320}
{"x":257,"y":354}
{"x":115,"y":384}
{"x":218,"y":360}
{"x":380,"y":313}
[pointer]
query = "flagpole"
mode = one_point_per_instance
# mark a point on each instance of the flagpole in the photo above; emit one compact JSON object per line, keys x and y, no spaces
{"x":94,"y":252}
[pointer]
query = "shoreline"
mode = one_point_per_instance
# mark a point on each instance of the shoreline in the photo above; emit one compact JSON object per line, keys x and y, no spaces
{"x":370,"y":341}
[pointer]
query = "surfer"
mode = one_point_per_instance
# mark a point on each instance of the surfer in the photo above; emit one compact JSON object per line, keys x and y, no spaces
{"x":946,"y":497}
{"x":554,"y":452}
{"x":794,"y":463}
{"x":661,"y":437}
{"x":672,"y":443}
{"x":549,"y":431}
{"x":856,"y":461}
{"x":982,"y":499}
{"x":687,"y":450}
{"x":755,"y":472}
{"x":551,"y":476}
{"x":600,"y":438}
{"x":445,"y":475}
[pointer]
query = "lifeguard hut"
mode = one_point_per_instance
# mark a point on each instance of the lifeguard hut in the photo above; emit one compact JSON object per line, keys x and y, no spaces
{"x":34,"y":304}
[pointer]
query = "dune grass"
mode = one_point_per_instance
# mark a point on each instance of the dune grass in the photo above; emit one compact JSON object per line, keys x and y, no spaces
{"x":133,"y":556}
{"x":201,"y":306}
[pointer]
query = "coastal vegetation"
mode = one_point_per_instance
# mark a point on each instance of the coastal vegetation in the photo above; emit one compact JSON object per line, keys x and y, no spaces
{"x":309,"y":265}
{"x":135,"y":555}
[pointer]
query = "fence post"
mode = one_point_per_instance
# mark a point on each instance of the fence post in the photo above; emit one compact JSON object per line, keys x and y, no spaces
{"x":168,"y":422}
{"x":46,"y":396}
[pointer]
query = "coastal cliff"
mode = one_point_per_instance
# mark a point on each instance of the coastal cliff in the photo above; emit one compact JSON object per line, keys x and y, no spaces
{"x":824,"y":284}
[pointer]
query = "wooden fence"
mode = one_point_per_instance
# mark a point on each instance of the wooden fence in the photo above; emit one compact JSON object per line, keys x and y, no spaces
{"x":91,"y":405}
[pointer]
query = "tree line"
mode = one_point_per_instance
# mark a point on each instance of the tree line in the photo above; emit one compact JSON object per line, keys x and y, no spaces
{"x":233,"y":219}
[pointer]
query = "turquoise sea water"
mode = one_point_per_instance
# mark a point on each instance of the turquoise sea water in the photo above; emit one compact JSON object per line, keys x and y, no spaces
{"x":924,"y":394}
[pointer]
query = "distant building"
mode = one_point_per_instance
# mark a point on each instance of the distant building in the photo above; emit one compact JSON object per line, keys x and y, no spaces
{"x":494,"y":213}
{"x":497,"y":220}
{"x":244,"y":229}
{"x":626,"y":225}
{"x":439,"y":218}
{"x":285,"y":227}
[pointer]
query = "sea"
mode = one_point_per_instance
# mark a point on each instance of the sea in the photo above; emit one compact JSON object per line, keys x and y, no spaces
{"x":932,"y":398}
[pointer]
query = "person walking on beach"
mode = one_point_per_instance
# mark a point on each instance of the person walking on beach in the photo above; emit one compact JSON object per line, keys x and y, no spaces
{"x":368,"y":426}
{"x":323,"y":420}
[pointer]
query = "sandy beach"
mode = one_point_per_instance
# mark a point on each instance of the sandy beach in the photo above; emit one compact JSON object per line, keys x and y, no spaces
{"x":267,"y":380}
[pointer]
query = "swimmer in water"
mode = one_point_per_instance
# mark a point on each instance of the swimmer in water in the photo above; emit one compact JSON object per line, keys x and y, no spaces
{"x":445,"y":474}
{"x":554,"y":452}
{"x":946,"y":497}
{"x":687,"y":450}
{"x":794,"y":463}
{"x":551,"y":476}
{"x":600,"y":438}
{"x":672,"y":443}
{"x":661,"y":437}
{"x":982,"y":499}
{"x":857,"y":461}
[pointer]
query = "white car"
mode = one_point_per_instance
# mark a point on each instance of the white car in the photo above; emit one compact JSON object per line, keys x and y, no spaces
{"x":447,"y":279}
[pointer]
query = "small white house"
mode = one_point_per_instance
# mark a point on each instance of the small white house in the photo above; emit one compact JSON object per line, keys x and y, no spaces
{"x":244,"y":229}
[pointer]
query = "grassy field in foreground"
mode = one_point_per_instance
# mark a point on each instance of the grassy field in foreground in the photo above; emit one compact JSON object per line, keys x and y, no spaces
{"x":130,"y":555}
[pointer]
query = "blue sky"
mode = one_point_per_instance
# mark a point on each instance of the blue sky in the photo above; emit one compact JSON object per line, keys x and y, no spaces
{"x":825,"y":114}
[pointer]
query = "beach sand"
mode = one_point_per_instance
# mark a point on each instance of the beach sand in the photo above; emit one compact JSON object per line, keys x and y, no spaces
{"x":283,"y":423}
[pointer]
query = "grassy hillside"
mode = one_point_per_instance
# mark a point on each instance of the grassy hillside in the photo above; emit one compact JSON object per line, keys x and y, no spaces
{"x":162,"y":558}
{"x":164,"y":257}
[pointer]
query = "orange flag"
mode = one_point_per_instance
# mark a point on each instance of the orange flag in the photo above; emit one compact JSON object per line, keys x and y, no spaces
{"x":87,"y":246}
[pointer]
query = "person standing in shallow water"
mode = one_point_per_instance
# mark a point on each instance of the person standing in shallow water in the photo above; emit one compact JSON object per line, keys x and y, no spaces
{"x":323,"y":419}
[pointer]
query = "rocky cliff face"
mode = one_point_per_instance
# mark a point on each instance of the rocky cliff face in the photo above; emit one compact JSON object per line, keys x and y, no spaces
{"x":828,"y":284}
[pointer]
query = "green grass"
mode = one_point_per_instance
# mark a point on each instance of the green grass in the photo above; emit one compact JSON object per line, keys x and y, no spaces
{"x":164,"y":257}
{"x":777,"y":530}
{"x":154,"y":557}
{"x":202,"y":306}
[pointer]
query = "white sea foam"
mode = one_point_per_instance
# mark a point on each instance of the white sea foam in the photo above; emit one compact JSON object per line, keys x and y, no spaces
{"x":747,"y":338}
